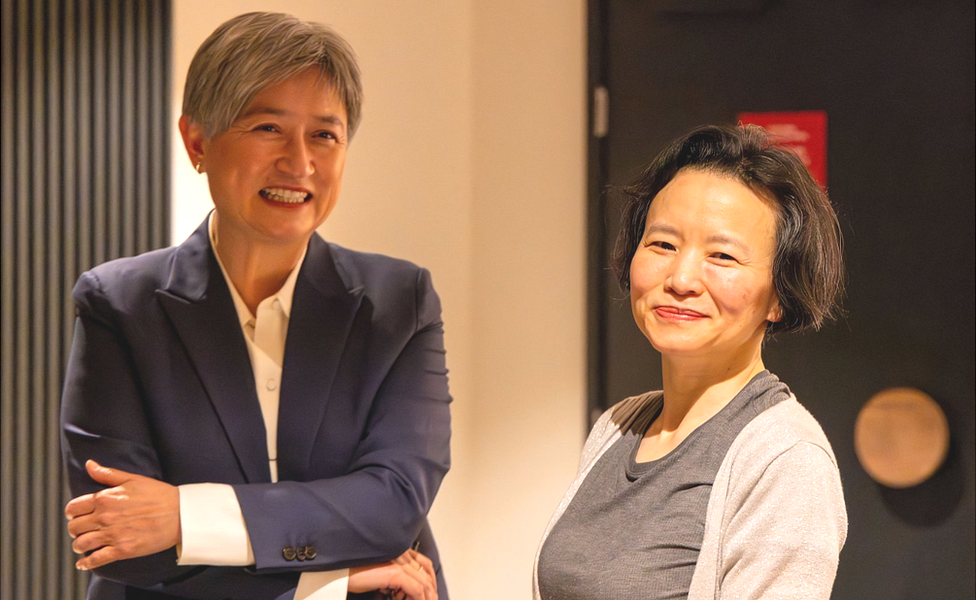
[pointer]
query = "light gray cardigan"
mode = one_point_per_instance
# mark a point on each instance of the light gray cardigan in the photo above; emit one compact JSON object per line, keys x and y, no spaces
{"x":776,"y":520}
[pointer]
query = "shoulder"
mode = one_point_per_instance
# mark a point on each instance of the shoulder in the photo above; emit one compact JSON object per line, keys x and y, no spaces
{"x":394,"y":288}
{"x":634,"y":412}
{"x":625,"y":414}
{"x":785,"y":449}
{"x":125,"y":282}
{"x":783,"y":427}
{"x":776,"y":519}
{"x":781,"y":462}
{"x":370,"y":271}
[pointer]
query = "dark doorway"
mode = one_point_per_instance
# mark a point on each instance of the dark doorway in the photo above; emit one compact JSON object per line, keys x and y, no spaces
{"x":896,"y":80}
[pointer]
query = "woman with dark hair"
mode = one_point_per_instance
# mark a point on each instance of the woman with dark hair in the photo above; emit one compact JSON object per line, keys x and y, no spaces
{"x":721,"y":485}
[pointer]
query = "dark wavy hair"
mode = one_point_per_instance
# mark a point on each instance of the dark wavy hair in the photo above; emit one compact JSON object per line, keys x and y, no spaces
{"x":808,"y":266}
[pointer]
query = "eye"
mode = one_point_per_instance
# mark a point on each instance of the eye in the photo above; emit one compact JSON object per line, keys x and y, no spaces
{"x":661,"y":245}
{"x":722,"y":257}
{"x":266,"y":127}
{"x":329,"y":136}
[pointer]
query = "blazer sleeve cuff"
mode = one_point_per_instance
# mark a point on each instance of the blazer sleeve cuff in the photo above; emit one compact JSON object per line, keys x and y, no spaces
{"x":212,"y":526}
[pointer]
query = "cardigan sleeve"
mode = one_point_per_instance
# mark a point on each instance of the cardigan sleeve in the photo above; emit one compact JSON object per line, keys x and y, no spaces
{"x":783,"y":538}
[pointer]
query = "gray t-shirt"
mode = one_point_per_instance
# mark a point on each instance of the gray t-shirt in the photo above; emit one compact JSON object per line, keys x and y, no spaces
{"x":634,"y":530}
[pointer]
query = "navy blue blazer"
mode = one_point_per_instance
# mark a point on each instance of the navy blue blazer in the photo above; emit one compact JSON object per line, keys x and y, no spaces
{"x":159,"y":382}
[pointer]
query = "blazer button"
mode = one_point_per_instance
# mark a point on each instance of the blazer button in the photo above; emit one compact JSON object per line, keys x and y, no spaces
{"x":311,"y":552}
{"x":300,"y":552}
{"x":289,"y":553}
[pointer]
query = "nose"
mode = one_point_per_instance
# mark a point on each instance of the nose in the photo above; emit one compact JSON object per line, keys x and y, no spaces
{"x":296,"y":160}
{"x":684,"y":276}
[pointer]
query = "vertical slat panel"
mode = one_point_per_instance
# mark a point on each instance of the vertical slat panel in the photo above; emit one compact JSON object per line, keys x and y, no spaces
{"x":128,"y":204}
{"x":159,"y":99}
{"x":99,"y":131}
{"x":81,"y":174}
{"x":22,"y":303}
{"x":83,"y":191}
{"x":141,"y":133}
{"x":36,"y":208}
{"x":163,"y":85}
{"x":54,"y":200}
{"x":84,"y":53}
{"x":7,"y":408}
{"x":70,"y":105}
{"x":113,"y":129}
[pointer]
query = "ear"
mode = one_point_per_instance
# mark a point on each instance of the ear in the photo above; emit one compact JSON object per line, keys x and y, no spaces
{"x":194,"y":141}
{"x":775,"y":314}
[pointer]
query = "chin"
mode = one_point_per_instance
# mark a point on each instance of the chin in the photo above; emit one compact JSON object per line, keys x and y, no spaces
{"x":677,"y":343}
{"x":678,"y":351}
{"x":672,"y":347}
{"x":286,"y":236}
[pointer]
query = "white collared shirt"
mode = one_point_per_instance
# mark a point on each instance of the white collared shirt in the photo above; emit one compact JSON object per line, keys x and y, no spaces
{"x":212,"y":524}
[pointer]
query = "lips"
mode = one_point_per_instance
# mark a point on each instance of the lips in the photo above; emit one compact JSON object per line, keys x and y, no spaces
{"x":285,"y":195}
{"x":673,"y":313}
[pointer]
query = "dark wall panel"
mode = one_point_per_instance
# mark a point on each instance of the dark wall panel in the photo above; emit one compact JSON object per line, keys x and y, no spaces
{"x":896,"y":80}
{"x":84,"y":179}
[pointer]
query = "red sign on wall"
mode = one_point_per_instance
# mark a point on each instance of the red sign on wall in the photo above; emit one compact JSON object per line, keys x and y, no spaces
{"x":803,"y":132}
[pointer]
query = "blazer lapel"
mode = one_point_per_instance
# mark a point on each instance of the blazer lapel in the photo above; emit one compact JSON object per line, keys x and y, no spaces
{"x":323,"y":311}
{"x":199,"y":305}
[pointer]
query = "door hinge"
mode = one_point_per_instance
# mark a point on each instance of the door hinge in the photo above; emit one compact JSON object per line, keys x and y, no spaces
{"x":601,"y":111}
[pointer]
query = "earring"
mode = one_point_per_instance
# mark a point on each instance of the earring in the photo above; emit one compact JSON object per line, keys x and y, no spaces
{"x":198,"y":167}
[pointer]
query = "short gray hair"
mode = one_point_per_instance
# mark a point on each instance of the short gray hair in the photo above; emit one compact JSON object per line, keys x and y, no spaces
{"x":258,"y":49}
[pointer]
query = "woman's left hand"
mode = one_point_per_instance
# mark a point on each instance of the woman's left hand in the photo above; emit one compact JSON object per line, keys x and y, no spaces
{"x":409,"y":576}
{"x":135,"y":516}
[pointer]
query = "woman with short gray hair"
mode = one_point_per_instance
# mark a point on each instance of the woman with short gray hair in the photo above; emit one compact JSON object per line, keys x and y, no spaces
{"x":258,"y":413}
{"x":255,"y":50}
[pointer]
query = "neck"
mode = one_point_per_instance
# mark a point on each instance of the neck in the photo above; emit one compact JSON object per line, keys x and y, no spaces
{"x":695,"y":389}
{"x":257,"y":270}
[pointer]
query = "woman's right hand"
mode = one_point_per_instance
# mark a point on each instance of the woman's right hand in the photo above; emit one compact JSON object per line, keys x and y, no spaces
{"x":409,"y":576}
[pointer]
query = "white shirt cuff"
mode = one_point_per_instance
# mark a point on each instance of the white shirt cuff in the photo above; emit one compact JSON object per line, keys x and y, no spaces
{"x":323,"y":585}
{"x":213,"y":528}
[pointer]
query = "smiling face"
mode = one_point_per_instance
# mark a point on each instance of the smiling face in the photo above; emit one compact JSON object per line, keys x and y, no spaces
{"x":701,"y":278}
{"x":275,"y":173}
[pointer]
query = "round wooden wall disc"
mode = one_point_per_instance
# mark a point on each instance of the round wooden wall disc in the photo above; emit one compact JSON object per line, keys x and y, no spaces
{"x":901,"y":437}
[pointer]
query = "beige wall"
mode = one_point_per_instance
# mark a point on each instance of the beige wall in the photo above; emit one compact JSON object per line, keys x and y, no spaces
{"x":470,"y":161}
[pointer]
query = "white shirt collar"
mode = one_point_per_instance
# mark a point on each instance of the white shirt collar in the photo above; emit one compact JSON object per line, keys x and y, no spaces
{"x":284,"y":296}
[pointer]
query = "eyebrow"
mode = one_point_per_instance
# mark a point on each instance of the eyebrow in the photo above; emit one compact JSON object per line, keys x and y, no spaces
{"x":657,"y":228}
{"x":724,"y":239}
{"x":278,"y":112}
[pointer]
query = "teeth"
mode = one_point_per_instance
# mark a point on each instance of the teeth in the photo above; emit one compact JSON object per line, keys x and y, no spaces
{"x":283,"y":195}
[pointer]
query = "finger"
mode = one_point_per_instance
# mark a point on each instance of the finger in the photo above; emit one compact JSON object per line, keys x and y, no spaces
{"x":93,"y":540}
{"x":419,"y":577}
{"x":426,"y":564}
{"x":98,"y":558}
{"x":105,"y":475}
{"x":407,"y":563}
{"x":404,"y":579}
{"x":409,"y":587}
{"x":82,"y":525}
{"x":82,"y":505}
